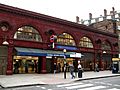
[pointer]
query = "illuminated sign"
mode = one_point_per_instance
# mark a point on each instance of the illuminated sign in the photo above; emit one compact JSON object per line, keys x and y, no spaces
{"x":66,"y":47}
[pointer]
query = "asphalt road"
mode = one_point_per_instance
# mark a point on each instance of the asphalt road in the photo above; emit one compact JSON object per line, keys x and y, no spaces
{"x":111,"y":83}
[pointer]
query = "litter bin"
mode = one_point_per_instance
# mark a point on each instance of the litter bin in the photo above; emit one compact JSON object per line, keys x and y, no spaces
{"x":115,"y":67}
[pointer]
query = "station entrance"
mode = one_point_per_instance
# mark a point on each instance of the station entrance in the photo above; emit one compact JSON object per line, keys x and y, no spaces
{"x":30,"y":60}
{"x":25,"y":64}
{"x":32,"y":64}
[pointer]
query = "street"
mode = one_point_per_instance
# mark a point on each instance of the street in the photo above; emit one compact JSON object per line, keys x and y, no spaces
{"x":111,"y":83}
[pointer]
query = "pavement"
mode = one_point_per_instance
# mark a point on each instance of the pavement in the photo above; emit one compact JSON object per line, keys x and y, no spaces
{"x":17,"y":80}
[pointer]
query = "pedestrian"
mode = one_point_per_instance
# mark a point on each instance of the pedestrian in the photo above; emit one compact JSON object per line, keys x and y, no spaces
{"x":71,"y":68}
{"x":59,"y":67}
{"x":96,"y":67}
{"x":80,"y":70}
{"x":90,"y":65}
{"x":26,"y":66}
{"x":16,"y":66}
{"x":36,"y":66}
{"x":55,"y":68}
{"x":32,"y":64}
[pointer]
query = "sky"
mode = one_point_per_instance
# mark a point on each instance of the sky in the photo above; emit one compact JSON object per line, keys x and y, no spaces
{"x":66,"y":9}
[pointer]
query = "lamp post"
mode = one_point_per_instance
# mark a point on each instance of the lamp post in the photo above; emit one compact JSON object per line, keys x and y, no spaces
{"x":64,"y":50}
{"x":5,"y":42}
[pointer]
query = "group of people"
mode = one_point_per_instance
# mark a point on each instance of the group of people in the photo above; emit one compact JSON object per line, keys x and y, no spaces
{"x":79,"y":69}
{"x":72,"y":69}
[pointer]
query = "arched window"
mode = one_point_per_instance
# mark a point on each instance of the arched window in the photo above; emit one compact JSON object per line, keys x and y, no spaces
{"x":65,"y":39}
{"x":27,"y":33}
{"x":85,"y":42}
{"x":105,"y":46}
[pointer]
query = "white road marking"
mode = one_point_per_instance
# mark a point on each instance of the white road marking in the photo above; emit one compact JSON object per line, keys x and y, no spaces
{"x":117,"y":85}
{"x":109,"y":84}
{"x":79,"y":86}
{"x":114,"y":89}
{"x":96,"y":82}
{"x":43,"y":87}
{"x":64,"y":85}
{"x":37,"y":86}
{"x":93,"y":88}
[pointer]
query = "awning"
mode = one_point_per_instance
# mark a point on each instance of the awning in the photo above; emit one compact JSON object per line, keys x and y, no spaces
{"x":40,"y":52}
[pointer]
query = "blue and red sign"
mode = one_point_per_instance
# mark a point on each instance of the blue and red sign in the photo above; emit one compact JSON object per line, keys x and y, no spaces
{"x":52,"y":38}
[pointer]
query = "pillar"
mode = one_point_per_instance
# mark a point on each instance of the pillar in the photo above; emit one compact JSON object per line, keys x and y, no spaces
{"x":9,"y":70}
{"x":101,"y":61}
{"x":95,"y":57}
{"x":43,"y":64}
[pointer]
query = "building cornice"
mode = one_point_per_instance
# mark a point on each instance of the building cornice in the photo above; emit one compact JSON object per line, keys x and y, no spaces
{"x":32,"y":14}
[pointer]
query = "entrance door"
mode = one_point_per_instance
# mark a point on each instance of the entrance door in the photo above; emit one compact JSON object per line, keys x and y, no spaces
{"x":2,"y":65}
{"x":3,"y":59}
{"x":25,"y":64}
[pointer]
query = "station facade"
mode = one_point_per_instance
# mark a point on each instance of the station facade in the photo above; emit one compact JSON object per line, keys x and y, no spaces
{"x":26,"y":44}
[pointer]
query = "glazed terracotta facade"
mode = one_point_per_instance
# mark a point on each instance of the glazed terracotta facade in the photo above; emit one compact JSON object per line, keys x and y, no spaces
{"x":15,"y":18}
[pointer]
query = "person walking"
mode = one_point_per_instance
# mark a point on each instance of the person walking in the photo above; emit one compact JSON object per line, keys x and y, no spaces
{"x":71,"y":68}
{"x":55,"y":68}
{"x":80,"y":70}
{"x":96,"y":67}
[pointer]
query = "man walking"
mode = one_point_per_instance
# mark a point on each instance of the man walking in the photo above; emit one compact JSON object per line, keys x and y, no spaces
{"x":71,"y":67}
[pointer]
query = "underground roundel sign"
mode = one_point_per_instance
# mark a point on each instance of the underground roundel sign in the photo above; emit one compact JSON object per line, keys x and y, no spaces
{"x":52,"y":38}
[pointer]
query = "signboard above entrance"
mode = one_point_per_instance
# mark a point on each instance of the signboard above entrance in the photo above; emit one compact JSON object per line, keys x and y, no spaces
{"x":66,"y":47}
{"x":77,"y":55}
{"x":38,"y":52}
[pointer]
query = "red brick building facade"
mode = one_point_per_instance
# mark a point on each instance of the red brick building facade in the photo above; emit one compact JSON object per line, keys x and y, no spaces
{"x":28,"y":39}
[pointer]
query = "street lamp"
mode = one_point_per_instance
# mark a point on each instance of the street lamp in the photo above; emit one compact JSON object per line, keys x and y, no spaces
{"x":64,"y":50}
{"x":5,"y":42}
{"x":104,"y":51}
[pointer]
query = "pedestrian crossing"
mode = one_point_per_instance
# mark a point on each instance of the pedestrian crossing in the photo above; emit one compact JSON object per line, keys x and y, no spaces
{"x":85,"y":86}
{"x":114,"y":89}
{"x":93,"y":88}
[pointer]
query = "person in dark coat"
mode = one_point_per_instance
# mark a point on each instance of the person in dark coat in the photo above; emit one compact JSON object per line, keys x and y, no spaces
{"x":55,"y":68}
{"x":16,"y":65}
{"x":36,"y":66}
{"x":26,"y":66}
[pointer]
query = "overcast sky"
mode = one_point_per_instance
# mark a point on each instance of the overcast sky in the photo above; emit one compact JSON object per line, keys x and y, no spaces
{"x":66,"y":9}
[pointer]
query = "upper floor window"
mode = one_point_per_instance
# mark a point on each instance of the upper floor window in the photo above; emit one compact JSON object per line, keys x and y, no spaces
{"x":27,"y":33}
{"x":4,"y":26}
{"x":86,"y":42}
{"x":65,"y":39}
{"x":105,"y":46}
